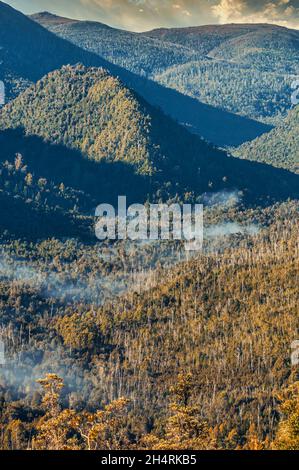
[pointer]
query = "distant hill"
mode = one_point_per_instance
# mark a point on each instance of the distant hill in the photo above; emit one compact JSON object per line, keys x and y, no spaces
{"x":30,"y":55}
{"x":247,"y":69}
{"x":243,"y":69}
{"x":279,"y":148}
{"x":268,"y":47}
{"x":46,"y":18}
{"x":140,"y":54}
{"x":265,"y":45}
{"x":202,"y":38}
{"x":109,"y":141}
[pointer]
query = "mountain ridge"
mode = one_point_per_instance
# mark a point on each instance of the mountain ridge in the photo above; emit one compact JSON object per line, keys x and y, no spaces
{"x":47,"y":17}
{"x":38,"y":51}
{"x":205,"y":63}
{"x":89,"y":112}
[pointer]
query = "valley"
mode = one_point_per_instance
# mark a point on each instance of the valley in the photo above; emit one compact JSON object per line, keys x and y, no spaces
{"x":144,"y":345}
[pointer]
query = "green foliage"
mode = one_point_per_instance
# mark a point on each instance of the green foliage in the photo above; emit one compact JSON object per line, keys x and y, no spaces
{"x":246,"y":69}
{"x":242,"y":89}
{"x":88,"y":110}
{"x":135,"y":52}
{"x":279,"y":148}
{"x":34,"y":207}
{"x":115,"y":143}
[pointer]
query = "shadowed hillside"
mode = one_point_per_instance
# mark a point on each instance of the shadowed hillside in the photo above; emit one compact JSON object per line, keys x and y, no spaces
{"x":93,"y":114}
{"x":279,"y":148}
{"x":145,"y":56}
{"x":142,"y":55}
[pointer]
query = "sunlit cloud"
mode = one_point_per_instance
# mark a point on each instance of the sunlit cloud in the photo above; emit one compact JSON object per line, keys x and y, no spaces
{"x":167,"y":13}
{"x":281,"y":12}
{"x":155,"y":13}
{"x":141,"y":15}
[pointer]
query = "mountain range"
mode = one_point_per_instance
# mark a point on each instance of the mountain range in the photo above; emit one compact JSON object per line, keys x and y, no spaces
{"x":166,"y":116}
{"x":29,"y":51}
{"x":263,"y":45}
{"x":243,"y":69}
{"x":214,"y":124}
{"x":140,"y":54}
{"x":82,"y":127}
{"x":99,"y":130}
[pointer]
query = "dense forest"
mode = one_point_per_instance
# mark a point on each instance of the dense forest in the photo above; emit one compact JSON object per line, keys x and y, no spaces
{"x":248,"y":69}
{"x":244,"y":69}
{"x":249,"y":91}
{"x":279,"y":148}
{"x":93,"y":116}
{"x":132,"y":51}
{"x":119,"y":345}
{"x":227,"y":317}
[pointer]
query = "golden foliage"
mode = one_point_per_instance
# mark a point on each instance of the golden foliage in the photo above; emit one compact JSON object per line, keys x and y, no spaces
{"x":287,"y":437}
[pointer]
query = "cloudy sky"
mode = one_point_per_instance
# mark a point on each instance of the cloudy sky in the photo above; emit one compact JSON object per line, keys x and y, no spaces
{"x":141,"y":15}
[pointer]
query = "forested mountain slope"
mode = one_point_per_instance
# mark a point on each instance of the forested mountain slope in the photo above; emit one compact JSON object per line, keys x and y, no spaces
{"x":265,"y":45}
{"x":279,"y":148}
{"x":227,"y":318}
{"x":93,"y":115}
{"x":264,"y":95}
{"x":244,"y":69}
{"x":145,"y":56}
{"x":248,"y":69}
{"x":28,"y":51}
{"x":140,"y":54}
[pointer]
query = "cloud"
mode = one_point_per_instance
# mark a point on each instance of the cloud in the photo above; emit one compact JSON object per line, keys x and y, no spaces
{"x":281,"y":12}
{"x":229,"y":10}
{"x":141,"y":15}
